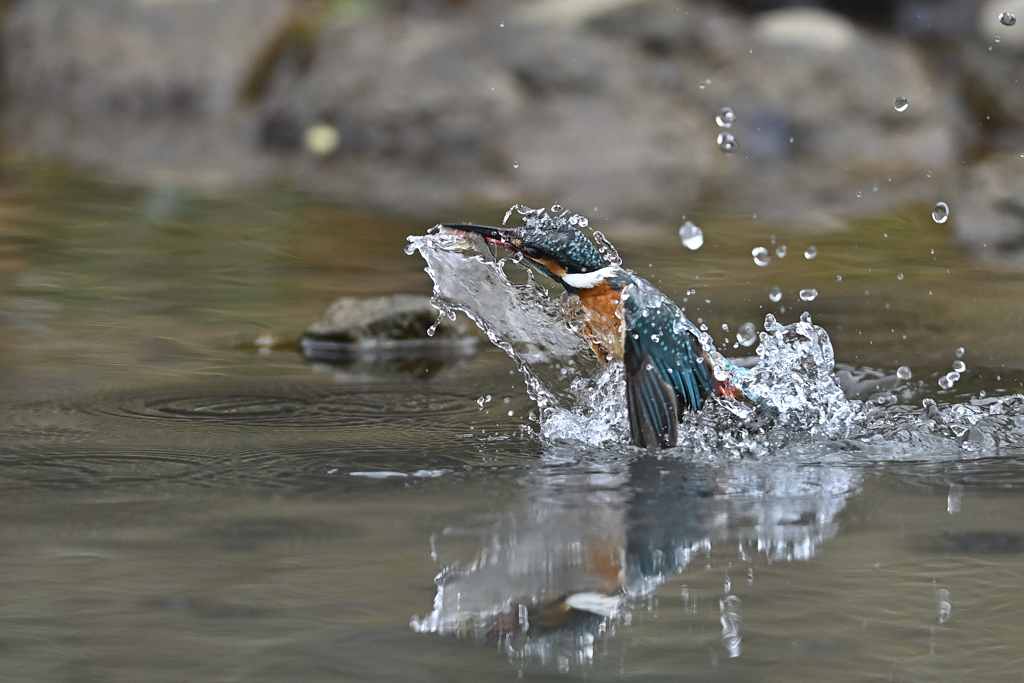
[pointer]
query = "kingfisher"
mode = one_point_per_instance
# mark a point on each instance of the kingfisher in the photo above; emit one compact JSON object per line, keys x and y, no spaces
{"x":624,"y":318}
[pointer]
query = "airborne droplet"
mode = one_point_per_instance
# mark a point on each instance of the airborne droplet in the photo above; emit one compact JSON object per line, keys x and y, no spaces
{"x":1007,"y":18}
{"x":725,"y":118}
{"x":746,"y":334}
{"x":774,"y":293}
{"x":808,"y":294}
{"x":811,"y":252}
{"x":761,"y":256}
{"x":903,"y":372}
{"x":901,"y":104}
{"x":959,"y":365}
{"x":940,"y":212}
{"x":780,"y":251}
{"x":727,"y":143}
{"x":691,"y":235}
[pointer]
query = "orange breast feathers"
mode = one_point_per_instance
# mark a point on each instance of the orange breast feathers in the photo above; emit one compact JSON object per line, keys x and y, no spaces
{"x":603,"y":321}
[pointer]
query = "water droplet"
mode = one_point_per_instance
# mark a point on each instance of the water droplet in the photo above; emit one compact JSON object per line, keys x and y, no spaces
{"x":515,"y":164}
{"x":953,"y":499}
{"x":557,"y":208}
{"x":811,"y":252}
{"x":691,"y":235}
{"x":747,"y":334}
{"x":953,"y":376}
{"x":943,"y":605}
{"x":944,"y":382}
{"x":940,"y":212}
{"x":780,"y":251}
{"x":774,"y":293}
{"x":998,"y":40}
{"x":727,"y":143}
{"x":1007,"y":18}
{"x":501,"y":24}
{"x":761,"y":256}
{"x":903,"y":372}
{"x":901,"y":103}
{"x":899,"y":276}
{"x":808,"y":294}
{"x":859,"y":194}
{"x":725,"y":118}
{"x":959,"y":365}
{"x":959,"y":353}
{"x":705,"y":83}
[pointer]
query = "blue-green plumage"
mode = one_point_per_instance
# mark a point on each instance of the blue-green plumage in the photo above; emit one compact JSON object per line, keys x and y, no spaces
{"x":667,"y":369}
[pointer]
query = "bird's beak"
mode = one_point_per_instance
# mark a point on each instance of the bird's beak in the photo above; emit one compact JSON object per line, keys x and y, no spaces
{"x":501,"y":237}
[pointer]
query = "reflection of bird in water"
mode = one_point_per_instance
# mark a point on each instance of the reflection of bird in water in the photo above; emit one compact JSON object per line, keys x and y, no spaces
{"x":624,"y":318}
{"x":588,"y":543}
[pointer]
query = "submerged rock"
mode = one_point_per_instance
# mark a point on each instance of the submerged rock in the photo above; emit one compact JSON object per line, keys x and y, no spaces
{"x":385,"y":327}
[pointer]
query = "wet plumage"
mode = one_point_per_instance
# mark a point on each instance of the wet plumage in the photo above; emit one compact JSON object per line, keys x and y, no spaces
{"x":625,"y":318}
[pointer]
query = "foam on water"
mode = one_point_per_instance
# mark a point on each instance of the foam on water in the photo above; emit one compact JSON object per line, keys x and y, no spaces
{"x":800,"y":402}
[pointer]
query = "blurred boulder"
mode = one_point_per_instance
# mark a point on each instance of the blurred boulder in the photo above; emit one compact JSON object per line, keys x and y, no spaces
{"x":119,"y":83}
{"x":608,"y":104}
{"x":143,"y":57}
{"x":988,"y":212}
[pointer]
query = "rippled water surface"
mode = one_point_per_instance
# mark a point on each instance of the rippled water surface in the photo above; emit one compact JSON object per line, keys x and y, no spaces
{"x":176,"y":505}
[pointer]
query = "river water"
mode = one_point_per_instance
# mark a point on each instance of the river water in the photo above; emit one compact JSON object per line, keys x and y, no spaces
{"x":178,"y":505}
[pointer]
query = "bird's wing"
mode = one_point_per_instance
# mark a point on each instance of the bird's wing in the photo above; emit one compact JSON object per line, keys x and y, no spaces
{"x":665,"y":370}
{"x":653,"y":407}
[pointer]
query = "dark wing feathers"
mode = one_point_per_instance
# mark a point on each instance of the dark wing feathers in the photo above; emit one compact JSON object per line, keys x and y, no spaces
{"x":653,"y":407}
{"x":665,"y":374}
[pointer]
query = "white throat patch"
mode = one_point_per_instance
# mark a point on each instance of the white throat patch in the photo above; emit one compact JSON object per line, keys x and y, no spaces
{"x":588,"y":280}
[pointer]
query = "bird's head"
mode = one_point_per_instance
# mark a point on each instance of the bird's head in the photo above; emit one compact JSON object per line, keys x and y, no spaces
{"x":562,"y":253}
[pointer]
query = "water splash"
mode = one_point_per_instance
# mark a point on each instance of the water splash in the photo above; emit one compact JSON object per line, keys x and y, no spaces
{"x":802,"y":404}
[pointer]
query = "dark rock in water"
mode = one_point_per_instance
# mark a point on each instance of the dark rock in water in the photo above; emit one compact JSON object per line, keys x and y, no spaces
{"x":385,"y":327}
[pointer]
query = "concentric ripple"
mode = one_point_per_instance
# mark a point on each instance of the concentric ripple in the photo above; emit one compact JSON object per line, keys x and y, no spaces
{"x":288,"y":407}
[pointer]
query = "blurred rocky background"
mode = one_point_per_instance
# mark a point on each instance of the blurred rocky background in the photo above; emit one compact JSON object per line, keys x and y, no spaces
{"x":421,"y":106}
